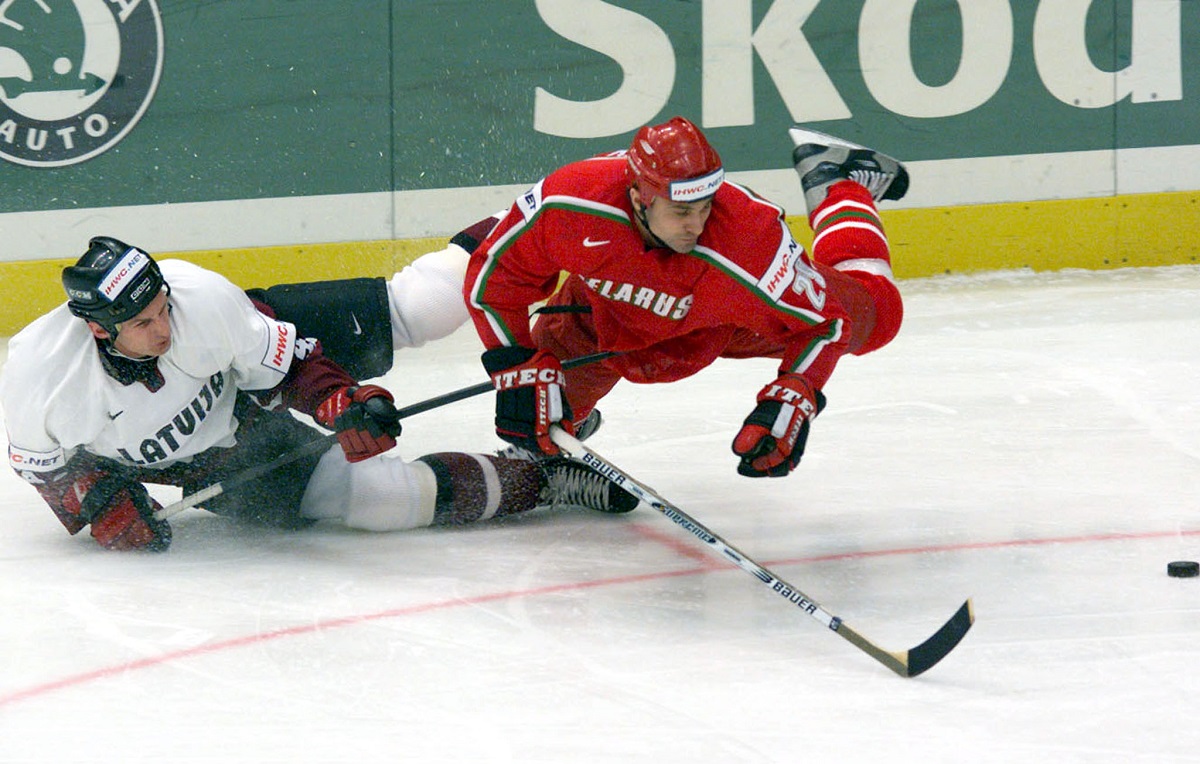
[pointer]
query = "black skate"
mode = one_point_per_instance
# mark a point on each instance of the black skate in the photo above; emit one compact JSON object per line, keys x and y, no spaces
{"x":822,"y":160}
{"x":572,"y":484}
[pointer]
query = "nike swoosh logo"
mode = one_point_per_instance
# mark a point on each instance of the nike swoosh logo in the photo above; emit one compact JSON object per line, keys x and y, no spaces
{"x":587,"y":242}
{"x":357,"y":328}
{"x":114,"y":416}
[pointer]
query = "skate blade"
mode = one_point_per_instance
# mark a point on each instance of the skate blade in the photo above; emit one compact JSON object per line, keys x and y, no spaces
{"x":803,"y":135}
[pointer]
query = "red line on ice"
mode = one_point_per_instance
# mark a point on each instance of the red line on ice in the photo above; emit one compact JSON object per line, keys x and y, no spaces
{"x":76,"y":680}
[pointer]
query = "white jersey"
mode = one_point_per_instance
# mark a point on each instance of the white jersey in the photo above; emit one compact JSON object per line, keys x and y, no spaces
{"x":58,"y":398}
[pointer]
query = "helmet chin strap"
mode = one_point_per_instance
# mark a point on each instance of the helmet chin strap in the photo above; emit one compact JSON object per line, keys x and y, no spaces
{"x":639,"y":211}
{"x":110,"y":347}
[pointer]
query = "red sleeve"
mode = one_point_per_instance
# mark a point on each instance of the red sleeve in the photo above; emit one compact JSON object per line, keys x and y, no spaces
{"x":817,"y":334}
{"x":506,"y":274}
{"x":520,"y":261}
{"x":58,"y":490}
{"x":791,"y":307}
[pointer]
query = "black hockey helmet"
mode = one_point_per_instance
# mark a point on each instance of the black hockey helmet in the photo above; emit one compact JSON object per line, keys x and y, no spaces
{"x":111,"y":283}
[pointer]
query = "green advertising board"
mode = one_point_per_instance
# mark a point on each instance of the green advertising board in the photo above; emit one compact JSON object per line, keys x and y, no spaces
{"x":275,"y":98}
{"x":191,"y":125}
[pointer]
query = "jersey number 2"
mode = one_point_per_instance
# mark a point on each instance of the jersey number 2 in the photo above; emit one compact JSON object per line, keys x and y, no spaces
{"x":810,"y":284}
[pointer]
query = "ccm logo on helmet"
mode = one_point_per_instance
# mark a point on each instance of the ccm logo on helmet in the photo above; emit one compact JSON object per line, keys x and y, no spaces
{"x":697,"y":188}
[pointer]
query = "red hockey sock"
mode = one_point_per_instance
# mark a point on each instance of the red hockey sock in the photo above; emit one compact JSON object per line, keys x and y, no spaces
{"x":846,"y":226}
{"x":849,"y":241}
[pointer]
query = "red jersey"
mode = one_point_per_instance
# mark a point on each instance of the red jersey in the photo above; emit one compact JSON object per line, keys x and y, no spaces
{"x":662,"y":309}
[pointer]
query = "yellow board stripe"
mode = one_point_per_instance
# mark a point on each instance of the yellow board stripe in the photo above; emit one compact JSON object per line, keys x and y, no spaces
{"x":33,"y":287}
{"x":1108,"y":232}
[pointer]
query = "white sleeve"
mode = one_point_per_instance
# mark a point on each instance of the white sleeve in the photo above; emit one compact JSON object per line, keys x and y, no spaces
{"x":425,"y":298}
{"x":39,"y":388}
{"x":217,"y":327}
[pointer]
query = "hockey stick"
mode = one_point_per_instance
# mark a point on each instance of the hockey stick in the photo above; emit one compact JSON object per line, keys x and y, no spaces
{"x":906,"y":663}
{"x":325,"y":442}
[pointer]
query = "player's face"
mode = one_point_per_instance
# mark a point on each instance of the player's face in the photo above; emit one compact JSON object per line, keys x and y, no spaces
{"x":679,"y":224}
{"x":148,"y":333}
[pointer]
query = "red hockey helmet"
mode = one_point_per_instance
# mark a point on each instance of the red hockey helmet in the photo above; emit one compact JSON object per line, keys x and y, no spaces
{"x":675,"y":161}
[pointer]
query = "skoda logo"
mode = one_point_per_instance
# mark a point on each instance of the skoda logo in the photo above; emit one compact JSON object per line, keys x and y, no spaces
{"x":75,"y":76}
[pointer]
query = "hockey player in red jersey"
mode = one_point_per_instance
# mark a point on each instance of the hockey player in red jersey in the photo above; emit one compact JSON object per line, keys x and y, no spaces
{"x":672,"y":266}
{"x":168,"y":373}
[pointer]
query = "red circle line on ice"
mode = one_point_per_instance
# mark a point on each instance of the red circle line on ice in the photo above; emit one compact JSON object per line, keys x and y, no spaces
{"x":123,"y":669}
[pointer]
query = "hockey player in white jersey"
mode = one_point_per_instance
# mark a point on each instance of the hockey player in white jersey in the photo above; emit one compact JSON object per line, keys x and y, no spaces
{"x":168,"y":373}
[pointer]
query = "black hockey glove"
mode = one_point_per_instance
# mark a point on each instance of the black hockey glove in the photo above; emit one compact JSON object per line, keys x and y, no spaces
{"x":772,"y":438}
{"x":530,"y":397}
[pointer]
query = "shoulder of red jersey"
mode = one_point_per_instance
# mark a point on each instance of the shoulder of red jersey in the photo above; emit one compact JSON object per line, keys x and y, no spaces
{"x":598,"y":182}
{"x":747,"y":237}
{"x":742,"y":224}
{"x":739,"y":198}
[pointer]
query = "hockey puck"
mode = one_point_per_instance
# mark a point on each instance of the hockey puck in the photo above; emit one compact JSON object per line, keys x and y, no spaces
{"x":1183,"y":569}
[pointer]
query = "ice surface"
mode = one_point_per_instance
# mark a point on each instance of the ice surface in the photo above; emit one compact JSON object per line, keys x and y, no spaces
{"x":1029,"y":440}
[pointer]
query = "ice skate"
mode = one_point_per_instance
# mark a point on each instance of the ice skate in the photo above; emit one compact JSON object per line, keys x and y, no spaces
{"x":572,"y":484}
{"x":822,"y":160}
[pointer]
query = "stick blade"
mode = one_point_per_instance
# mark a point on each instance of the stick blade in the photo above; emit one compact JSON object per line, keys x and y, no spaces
{"x":926,"y":655}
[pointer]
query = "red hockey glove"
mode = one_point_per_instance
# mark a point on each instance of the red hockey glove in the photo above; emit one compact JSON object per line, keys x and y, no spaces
{"x":772,"y":438}
{"x":120,"y":511}
{"x":529,"y":397}
{"x":365,"y":419}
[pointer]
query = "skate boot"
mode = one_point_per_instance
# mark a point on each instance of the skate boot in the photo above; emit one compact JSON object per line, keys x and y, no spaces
{"x":822,"y":160}
{"x":573,"y":484}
